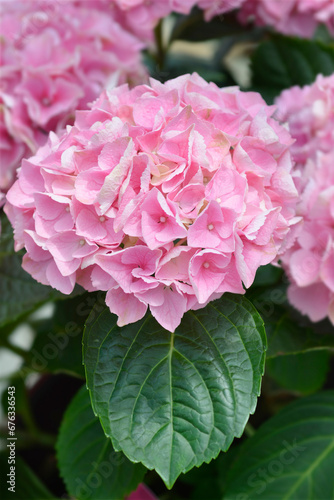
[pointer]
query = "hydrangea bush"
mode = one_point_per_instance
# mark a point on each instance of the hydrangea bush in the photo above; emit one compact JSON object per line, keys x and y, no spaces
{"x":165,"y":196}
{"x":179,"y":230}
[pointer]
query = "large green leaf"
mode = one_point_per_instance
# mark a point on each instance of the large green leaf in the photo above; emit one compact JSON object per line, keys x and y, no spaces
{"x":282,"y":62}
{"x":174,"y":400}
{"x":291,"y":457}
{"x":19,"y":292}
{"x":88,"y":463}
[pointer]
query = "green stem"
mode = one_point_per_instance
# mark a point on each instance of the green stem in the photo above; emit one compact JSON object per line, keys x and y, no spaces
{"x":16,"y":349}
{"x":160,"y":53}
{"x":18,"y":375}
{"x":26,"y":440}
{"x":8,"y":329}
{"x":184,"y":24}
{"x":26,"y":413}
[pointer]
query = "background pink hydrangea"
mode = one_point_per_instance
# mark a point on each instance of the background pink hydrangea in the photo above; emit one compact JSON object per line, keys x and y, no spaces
{"x":291,"y":17}
{"x":56,"y":57}
{"x":164,"y":196}
{"x":309,"y":112}
{"x":310,"y":262}
{"x":141,"y":16}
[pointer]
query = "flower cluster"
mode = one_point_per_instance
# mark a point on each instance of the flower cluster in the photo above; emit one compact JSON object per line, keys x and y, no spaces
{"x":310,"y":262}
{"x":164,"y":196}
{"x":56,"y":57}
{"x":291,"y":17}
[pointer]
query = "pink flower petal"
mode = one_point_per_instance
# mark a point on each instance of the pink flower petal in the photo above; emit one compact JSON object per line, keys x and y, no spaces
{"x":127,"y":307}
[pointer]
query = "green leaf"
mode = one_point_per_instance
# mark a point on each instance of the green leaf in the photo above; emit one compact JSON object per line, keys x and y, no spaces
{"x":287,"y":337}
{"x":267,"y":275}
{"x":89,"y":465}
{"x":178,"y":64}
{"x":291,"y":457}
{"x":27,"y":484}
{"x":174,"y":401}
{"x":19,"y":292}
{"x":287,"y":331}
{"x":282,"y":62}
{"x":208,"y":482}
{"x":293,"y":371}
{"x":204,"y":482}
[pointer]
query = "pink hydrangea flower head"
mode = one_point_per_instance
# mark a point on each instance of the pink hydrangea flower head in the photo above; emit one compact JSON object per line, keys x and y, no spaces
{"x":165,"y":196}
{"x":309,"y":263}
{"x":290,"y":17}
{"x":56,"y":57}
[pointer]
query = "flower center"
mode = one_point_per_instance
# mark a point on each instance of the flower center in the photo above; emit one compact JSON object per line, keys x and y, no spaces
{"x":102,"y":218}
{"x":67,"y":208}
{"x":82,"y":242}
{"x":46,"y":101}
{"x":162,"y":219}
{"x":206,"y":265}
{"x":210,"y":227}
